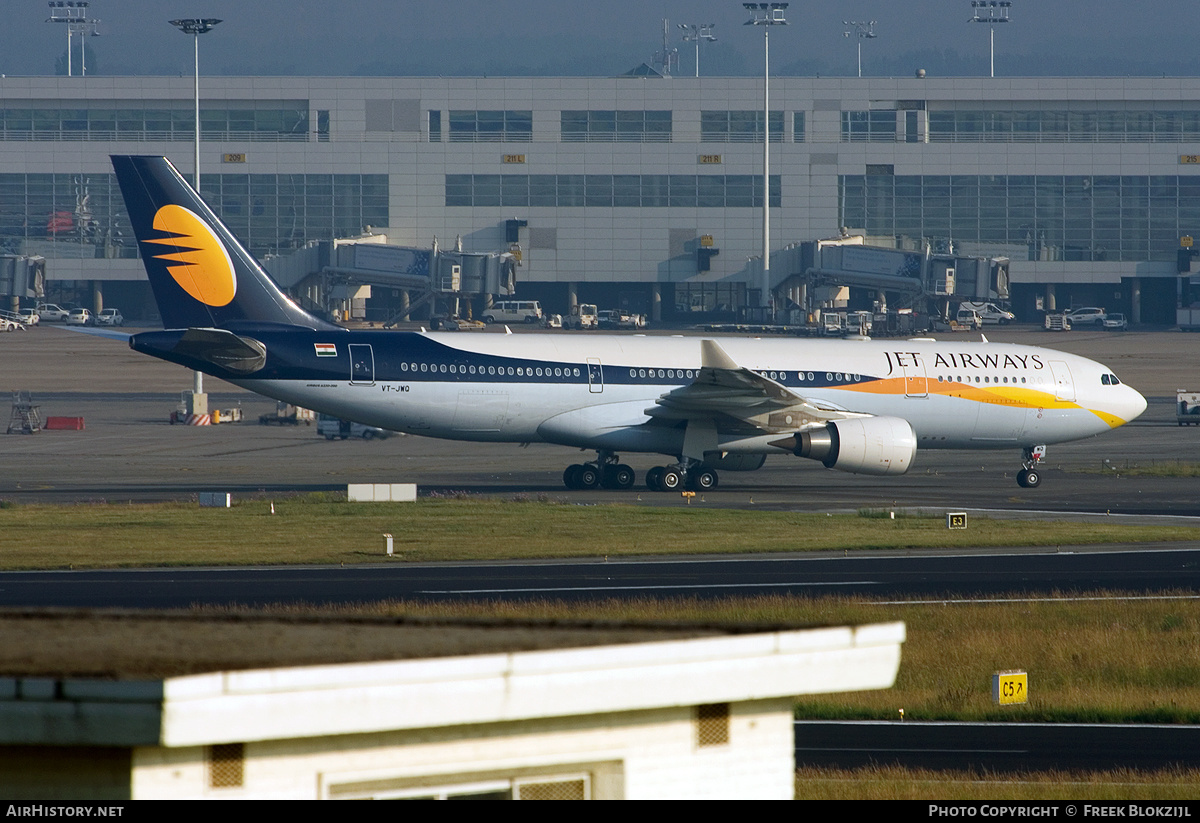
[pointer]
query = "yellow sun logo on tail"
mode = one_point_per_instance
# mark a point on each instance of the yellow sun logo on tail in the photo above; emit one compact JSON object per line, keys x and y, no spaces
{"x":198,"y":260}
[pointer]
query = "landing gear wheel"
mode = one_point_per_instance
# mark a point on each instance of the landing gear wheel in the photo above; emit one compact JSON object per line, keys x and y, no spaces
{"x":654,"y":479}
{"x":571,"y":476}
{"x":671,"y":479}
{"x":1029,"y":478}
{"x":618,"y":477}
{"x":589,"y":476}
{"x":702,"y":480}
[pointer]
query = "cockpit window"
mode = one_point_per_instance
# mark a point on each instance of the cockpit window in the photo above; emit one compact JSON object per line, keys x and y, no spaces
{"x":1109,"y":380}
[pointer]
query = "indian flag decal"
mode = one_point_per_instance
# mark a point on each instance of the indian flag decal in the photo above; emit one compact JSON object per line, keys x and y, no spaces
{"x":325,"y":349}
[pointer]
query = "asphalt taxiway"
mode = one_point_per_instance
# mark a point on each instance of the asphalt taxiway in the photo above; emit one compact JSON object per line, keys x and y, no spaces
{"x":128,"y":449}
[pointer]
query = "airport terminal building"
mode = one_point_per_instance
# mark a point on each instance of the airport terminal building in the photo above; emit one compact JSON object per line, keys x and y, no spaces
{"x":637,"y":191}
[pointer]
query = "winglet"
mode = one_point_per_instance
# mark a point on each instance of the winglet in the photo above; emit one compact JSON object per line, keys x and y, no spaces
{"x":712,"y":356}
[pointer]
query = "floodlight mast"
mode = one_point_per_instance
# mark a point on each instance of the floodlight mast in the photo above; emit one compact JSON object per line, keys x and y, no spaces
{"x":74,"y":14}
{"x":862,"y":31}
{"x":694,"y":33}
{"x":766,"y":15}
{"x":997,"y":12}
{"x":197,"y":26}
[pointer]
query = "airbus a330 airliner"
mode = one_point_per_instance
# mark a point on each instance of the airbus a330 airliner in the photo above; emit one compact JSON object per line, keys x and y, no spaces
{"x":859,"y":406}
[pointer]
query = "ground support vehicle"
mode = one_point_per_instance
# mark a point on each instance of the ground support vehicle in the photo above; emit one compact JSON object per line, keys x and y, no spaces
{"x":1187,"y":407}
{"x":287,"y":415}
{"x":1057,"y":322}
{"x":454,"y":323}
{"x":335,"y":428}
{"x":582,"y":316}
{"x":1116,"y":322}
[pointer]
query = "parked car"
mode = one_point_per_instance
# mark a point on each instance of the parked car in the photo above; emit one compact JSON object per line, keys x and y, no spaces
{"x":51,"y":313}
{"x":1116,"y":322}
{"x":19,"y":319}
{"x":79,"y":317}
{"x":110,"y":317}
{"x":1087,"y":316}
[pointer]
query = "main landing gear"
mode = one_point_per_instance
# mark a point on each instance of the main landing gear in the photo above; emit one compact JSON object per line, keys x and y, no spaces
{"x":606,"y":471}
{"x":1030,"y":477}
{"x":685,"y":475}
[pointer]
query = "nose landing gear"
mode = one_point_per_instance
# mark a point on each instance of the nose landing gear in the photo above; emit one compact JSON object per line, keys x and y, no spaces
{"x":1030,"y":477}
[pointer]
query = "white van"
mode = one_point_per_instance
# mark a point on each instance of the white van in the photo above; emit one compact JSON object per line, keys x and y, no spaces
{"x":968,"y":318}
{"x":989,"y":312}
{"x":514,"y":311}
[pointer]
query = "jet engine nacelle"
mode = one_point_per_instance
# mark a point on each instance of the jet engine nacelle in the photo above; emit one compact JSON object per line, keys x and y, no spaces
{"x":867,"y":445}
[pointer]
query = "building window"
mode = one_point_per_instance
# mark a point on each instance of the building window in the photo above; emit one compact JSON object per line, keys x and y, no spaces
{"x":610,"y":190}
{"x":738,"y":126}
{"x":491,"y":126}
{"x":54,"y":215}
{"x":279,"y":121}
{"x":876,"y":126}
{"x":712,"y":725}
{"x":226,"y":764}
{"x":435,"y":126}
{"x":1064,"y":126}
{"x":1032,"y":217}
{"x":798,"y":127}
{"x":616,"y":126}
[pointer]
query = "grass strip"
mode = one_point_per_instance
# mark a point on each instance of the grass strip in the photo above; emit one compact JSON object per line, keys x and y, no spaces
{"x":314,"y":529}
{"x":897,"y":783}
{"x":1105,"y":658}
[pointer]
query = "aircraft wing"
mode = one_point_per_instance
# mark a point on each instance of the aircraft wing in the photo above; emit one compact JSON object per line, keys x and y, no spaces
{"x":732,"y":394}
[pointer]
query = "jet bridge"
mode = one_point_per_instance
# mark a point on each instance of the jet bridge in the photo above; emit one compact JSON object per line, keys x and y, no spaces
{"x":426,"y":274}
{"x":22,"y":277}
{"x":912,"y":276}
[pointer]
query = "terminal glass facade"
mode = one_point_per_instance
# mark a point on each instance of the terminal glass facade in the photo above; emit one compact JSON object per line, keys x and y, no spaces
{"x":71,"y":215}
{"x":1050,"y":217}
{"x":609,"y":190}
{"x":738,"y":126}
{"x":876,"y":126}
{"x":624,"y":126}
{"x":281,"y":122}
{"x":507,"y":126}
{"x":1063,"y":126}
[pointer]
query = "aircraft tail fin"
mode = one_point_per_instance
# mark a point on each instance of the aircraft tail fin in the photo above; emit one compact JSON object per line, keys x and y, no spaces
{"x":201,"y":275}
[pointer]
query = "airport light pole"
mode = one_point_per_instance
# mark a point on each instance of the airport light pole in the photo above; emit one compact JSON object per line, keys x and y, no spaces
{"x":997,"y":12}
{"x":197,"y":26}
{"x":74,"y":14}
{"x":862,"y":31}
{"x":766,"y":15}
{"x":694,"y":33}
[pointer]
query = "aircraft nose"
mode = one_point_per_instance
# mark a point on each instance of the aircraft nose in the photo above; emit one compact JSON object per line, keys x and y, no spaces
{"x":1135,"y":405}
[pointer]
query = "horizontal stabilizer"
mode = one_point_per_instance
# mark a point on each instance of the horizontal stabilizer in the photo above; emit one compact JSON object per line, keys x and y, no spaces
{"x":243,"y":355}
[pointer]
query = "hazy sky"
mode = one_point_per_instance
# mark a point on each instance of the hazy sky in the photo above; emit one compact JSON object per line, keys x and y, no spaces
{"x":608,"y":37}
